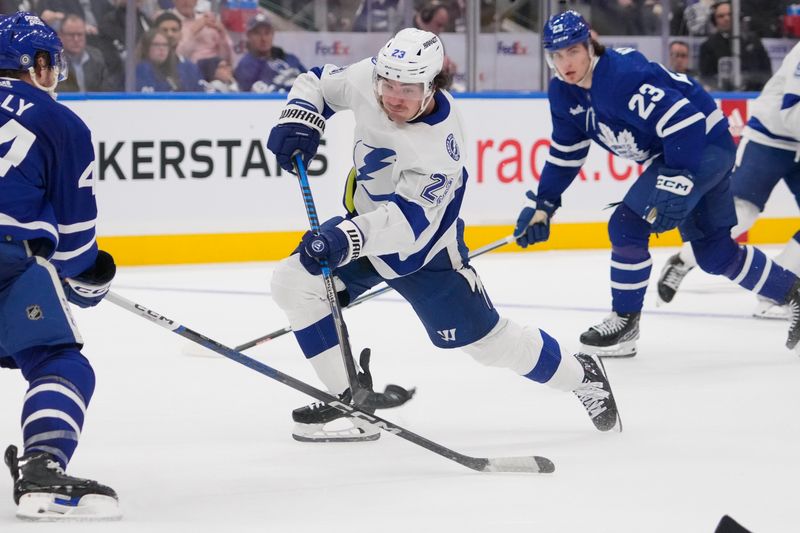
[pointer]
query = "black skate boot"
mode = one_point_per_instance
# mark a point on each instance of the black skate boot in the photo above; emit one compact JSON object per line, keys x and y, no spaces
{"x":793,"y":302}
{"x":671,"y":277}
{"x":613,"y":337}
{"x":596,"y":396}
{"x":310,"y":420}
{"x":43,"y":492}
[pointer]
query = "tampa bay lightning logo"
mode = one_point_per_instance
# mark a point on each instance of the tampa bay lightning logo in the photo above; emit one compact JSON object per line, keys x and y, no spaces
{"x":25,"y":60}
{"x":452,"y":147}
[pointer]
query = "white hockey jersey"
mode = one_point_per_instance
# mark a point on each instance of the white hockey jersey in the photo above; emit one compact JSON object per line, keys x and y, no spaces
{"x":409,"y":177}
{"x":775,"y":114}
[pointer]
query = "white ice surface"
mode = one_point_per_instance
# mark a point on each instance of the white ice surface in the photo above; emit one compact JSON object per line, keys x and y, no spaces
{"x":202,"y":444}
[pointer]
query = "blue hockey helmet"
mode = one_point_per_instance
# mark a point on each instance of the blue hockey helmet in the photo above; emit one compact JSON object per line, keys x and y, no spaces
{"x":564,"y":30}
{"x":22,"y":35}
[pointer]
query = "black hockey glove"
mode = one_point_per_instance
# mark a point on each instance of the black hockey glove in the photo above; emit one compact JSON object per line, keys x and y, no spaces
{"x":298,"y":131}
{"x":90,"y":286}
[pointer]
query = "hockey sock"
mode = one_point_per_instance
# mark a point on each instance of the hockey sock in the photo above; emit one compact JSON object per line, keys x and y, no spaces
{"x":789,"y":258}
{"x":629,"y":278}
{"x":754,"y":271}
{"x":320,"y":345}
{"x":55,"y":404}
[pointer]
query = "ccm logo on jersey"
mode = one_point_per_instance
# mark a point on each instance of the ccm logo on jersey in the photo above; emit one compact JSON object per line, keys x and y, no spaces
{"x":680,"y":185}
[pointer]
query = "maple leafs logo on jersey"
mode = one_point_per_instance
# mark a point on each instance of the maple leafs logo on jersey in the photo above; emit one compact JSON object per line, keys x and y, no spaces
{"x":624,"y":144}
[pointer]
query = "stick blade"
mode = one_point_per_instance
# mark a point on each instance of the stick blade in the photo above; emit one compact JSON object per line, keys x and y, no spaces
{"x":393,"y":396}
{"x":532,"y":464}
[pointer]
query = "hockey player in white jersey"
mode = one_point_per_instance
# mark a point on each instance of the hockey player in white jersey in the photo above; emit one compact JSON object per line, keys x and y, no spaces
{"x":402,"y":226}
{"x":768,"y":152}
{"x":641,"y":111}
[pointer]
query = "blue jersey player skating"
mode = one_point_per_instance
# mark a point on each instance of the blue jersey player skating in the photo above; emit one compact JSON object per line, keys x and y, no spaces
{"x":768,"y":153}
{"x":403,"y":227}
{"x":48,"y":256}
{"x":641,"y":111}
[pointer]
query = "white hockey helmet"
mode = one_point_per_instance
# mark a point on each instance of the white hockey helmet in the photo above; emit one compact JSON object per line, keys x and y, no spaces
{"x":413,"y":56}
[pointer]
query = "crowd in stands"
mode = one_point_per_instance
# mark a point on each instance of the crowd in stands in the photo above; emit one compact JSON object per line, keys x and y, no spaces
{"x":185,"y":45}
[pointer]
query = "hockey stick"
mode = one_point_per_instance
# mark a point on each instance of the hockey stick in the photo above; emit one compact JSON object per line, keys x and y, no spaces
{"x":361,"y":396}
{"x":368,"y":296}
{"x":530,"y":464}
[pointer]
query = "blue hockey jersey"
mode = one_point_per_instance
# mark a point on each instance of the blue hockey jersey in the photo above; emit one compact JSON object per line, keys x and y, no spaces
{"x":636,"y":109}
{"x":46,"y":185}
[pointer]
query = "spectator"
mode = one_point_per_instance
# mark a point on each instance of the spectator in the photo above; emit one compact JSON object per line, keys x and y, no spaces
{"x":716,"y":50}
{"x":53,"y":12}
{"x":265,"y":68}
{"x":377,"y":15}
{"x":87,"y":70}
{"x":217,"y":75}
{"x":697,"y":18}
{"x":113,"y":24}
{"x":679,"y":58}
{"x":169,"y":25}
{"x":203,"y":34}
{"x":433,"y":16}
{"x":159,"y":69}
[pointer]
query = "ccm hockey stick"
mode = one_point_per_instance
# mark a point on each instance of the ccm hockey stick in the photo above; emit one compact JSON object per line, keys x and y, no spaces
{"x":368,"y":296}
{"x":527,"y":464}
{"x":394,"y":395}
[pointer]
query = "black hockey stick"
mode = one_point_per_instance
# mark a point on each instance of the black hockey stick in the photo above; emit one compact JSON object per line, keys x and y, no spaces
{"x":367,"y":296}
{"x":395,"y":395}
{"x":530,"y":464}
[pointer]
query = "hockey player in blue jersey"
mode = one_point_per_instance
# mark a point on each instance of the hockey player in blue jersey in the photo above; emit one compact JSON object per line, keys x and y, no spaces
{"x":768,"y":153}
{"x":48,"y":256}
{"x":641,"y":111}
{"x":402,"y":226}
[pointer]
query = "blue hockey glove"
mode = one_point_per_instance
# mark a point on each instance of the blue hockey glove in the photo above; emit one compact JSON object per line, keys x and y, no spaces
{"x":671,"y":200}
{"x":90,"y":286}
{"x":533,"y":223}
{"x":298,"y":130}
{"x":339,"y":242}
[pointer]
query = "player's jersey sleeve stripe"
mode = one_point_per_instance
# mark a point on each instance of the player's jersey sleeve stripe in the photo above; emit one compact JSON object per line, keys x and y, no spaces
{"x":789,"y":100}
{"x":662,"y":130}
{"x":565,"y":162}
{"x":667,"y":116}
{"x":77,"y":227}
{"x":571,"y":148}
{"x":413,"y":213}
{"x":713,"y":119}
{"x":683,"y":124}
{"x":7,"y":220}
{"x":71,"y":254}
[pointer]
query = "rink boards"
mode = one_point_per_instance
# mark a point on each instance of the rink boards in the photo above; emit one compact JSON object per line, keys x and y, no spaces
{"x":188,"y":179}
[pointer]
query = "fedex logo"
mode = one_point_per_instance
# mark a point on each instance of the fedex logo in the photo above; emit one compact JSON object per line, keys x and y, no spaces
{"x":336,"y":48}
{"x":513,"y":49}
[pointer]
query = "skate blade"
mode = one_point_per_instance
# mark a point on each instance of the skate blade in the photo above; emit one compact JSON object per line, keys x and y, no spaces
{"x":45,"y":507}
{"x":318,"y":433}
{"x":772,"y":312}
{"x":621,"y":350}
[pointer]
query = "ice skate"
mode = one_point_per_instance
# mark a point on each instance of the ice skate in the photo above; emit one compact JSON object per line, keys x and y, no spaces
{"x":793,"y":303}
{"x":43,"y":492}
{"x":770,"y":310}
{"x":671,"y":277}
{"x":320,"y":422}
{"x":615,"y":336}
{"x":596,"y":396}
